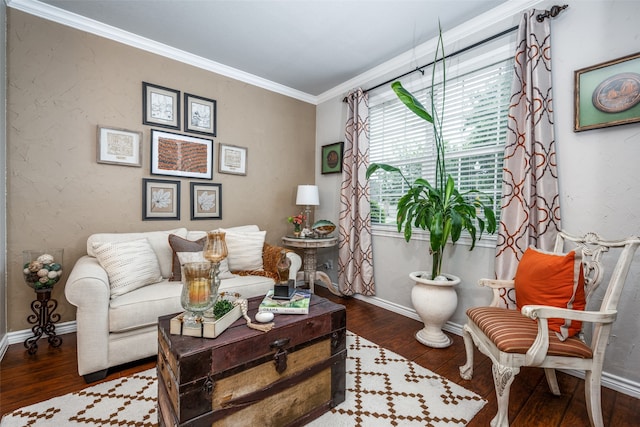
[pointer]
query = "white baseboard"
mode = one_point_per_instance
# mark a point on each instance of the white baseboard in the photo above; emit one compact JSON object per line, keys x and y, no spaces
{"x":613,"y":382}
{"x":21,"y":336}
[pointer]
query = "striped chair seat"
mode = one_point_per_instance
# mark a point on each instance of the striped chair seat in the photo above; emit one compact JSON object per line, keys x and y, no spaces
{"x":512,"y":332}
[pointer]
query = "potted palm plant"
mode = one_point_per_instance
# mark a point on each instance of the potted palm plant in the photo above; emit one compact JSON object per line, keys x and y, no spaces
{"x":441,"y":209}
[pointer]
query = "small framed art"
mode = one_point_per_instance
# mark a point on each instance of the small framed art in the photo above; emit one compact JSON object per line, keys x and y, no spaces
{"x":206,"y":201}
{"x":181,"y":155}
{"x":332,"y":158}
{"x":608,"y":94}
{"x":160,"y":106}
{"x":199,"y":115}
{"x":160,"y":199}
{"x":232,"y":159}
{"x":119,"y":146}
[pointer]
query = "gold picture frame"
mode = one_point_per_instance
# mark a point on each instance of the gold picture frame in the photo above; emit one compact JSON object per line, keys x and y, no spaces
{"x":607,"y":94}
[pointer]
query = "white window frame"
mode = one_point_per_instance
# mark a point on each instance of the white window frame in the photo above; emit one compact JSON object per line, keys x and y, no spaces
{"x":500,"y":51}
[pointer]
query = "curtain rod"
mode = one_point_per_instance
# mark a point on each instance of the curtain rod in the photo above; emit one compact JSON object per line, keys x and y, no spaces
{"x":551,"y":13}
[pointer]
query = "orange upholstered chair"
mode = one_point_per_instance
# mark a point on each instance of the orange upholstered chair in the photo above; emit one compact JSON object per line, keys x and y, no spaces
{"x":544,"y":328}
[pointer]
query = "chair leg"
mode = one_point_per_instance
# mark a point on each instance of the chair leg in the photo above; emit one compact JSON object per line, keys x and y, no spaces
{"x":550,"y":373}
{"x":466,"y":371}
{"x":593,"y":398}
{"x":502,"y":377}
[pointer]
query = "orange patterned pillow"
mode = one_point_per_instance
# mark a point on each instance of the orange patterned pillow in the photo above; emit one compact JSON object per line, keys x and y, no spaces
{"x":556,"y":280}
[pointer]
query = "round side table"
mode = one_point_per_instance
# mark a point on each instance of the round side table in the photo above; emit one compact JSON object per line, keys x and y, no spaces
{"x":310,"y":246}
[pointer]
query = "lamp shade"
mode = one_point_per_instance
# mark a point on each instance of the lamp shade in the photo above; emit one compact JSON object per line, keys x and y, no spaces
{"x":308,"y":195}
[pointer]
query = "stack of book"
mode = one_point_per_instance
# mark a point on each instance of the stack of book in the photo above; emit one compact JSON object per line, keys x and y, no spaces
{"x":297,"y":304}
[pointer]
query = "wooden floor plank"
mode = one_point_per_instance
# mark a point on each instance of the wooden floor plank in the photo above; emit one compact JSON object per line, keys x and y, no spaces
{"x":26,"y":379}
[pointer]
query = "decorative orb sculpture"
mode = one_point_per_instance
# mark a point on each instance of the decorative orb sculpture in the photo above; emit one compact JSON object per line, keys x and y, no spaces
{"x":42,"y":269}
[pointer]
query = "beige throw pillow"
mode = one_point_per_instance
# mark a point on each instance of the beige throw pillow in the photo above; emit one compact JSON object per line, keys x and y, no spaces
{"x":245,"y":249}
{"x":129,"y":265}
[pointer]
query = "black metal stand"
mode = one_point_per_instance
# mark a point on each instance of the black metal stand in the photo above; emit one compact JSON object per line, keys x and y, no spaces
{"x":44,"y":318}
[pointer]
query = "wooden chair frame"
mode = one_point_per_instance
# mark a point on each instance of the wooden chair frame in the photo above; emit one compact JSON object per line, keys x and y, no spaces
{"x":507,"y":365}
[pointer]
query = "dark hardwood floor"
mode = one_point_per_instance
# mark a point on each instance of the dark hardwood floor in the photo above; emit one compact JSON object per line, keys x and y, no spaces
{"x":51,"y":372}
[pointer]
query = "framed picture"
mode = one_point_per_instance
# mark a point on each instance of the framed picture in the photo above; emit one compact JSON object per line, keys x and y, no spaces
{"x":119,"y":146}
{"x":332,"y":158}
{"x":160,"y":199}
{"x":232,"y":159}
{"x":181,"y":155}
{"x":199,"y":115}
{"x":206,"y":201}
{"x":160,"y":106}
{"x":608,"y":94}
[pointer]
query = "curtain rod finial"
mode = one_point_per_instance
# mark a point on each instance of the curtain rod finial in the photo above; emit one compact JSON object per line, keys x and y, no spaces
{"x":553,"y":12}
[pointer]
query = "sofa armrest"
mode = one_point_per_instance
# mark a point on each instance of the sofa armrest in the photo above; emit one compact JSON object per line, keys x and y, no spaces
{"x":271,"y":255}
{"x":87,"y":288}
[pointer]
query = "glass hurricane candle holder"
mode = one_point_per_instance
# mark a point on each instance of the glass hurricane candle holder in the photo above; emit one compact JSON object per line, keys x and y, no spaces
{"x":42,"y":269}
{"x":196,"y":297}
{"x":215,"y":250}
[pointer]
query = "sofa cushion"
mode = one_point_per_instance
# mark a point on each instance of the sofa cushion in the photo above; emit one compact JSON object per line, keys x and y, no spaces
{"x":245,"y":249}
{"x":129,"y":265}
{"x":143,"y":306}
{"x":159,"y":241}
{"x":247,"y":286}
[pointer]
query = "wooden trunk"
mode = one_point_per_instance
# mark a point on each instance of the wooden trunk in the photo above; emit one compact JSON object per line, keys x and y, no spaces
{"x":287,"y":376}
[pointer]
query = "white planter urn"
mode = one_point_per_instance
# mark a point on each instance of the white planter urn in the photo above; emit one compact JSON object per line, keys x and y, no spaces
{"x":435,"y":301}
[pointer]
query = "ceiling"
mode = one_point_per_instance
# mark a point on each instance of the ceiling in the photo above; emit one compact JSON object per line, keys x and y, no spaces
{"x":310,"y":46}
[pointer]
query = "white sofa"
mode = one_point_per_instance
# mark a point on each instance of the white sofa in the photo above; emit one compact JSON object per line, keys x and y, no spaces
{"x":117,"y":324}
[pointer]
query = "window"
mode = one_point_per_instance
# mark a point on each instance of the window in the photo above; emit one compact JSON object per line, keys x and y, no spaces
{"x":474,"y":131}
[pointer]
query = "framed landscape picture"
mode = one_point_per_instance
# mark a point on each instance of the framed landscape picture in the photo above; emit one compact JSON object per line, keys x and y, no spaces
{"x":331,"y":158}
{"x":160,"y":106}
{"x":232,"y":159}
{"x":199,"y":115}
{"x":160,"y":199}
{"x":119,"y":146}
{"x":206,"y":201}
{"x":181,"y":155}
{"x":608,"y":94}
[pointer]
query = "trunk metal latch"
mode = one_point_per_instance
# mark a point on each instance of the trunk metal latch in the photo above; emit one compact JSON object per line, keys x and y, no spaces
{"x":280,"y":358}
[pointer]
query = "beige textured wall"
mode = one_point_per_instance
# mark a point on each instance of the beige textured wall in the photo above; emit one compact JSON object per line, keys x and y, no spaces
{"x":62,"y":83}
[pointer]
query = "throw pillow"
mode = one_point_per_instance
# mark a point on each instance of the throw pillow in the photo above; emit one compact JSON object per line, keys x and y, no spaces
{"x":245,"y":249}
{"x":179,"y":244}
{"x":552,"y":279}
{"x":223,"y":270}
{"x":129,"y":265}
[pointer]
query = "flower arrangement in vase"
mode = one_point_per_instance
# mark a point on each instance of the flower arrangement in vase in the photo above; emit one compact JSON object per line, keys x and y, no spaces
{"x":297,"y":221}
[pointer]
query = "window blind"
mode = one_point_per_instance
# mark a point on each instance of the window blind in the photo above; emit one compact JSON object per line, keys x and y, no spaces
{"x":474,"y":132}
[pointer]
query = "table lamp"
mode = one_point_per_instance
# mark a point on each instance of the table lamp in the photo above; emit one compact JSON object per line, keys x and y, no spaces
{"x":307,"y":196}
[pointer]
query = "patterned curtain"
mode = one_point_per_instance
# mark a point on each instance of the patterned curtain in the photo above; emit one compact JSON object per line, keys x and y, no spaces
{"x":355,"y":259}
{"x":530,"y":212}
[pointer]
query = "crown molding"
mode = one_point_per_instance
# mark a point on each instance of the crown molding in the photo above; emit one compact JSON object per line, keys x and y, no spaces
{"x":504,"y":12}
{"x":88,"y":25}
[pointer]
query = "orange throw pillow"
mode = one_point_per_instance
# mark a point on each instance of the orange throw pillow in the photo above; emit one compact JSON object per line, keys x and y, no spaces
{"x":550,"y":279}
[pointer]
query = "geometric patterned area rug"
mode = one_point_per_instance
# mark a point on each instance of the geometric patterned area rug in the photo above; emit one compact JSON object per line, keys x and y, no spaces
{"x":383,"y":389}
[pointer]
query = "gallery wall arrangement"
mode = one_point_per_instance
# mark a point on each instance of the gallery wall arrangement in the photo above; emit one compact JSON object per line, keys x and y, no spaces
{"x":176,"y":154}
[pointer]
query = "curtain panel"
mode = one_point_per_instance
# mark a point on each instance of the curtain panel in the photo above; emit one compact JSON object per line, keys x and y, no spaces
{"x":355,"y":258}
{"x":530,"y":205}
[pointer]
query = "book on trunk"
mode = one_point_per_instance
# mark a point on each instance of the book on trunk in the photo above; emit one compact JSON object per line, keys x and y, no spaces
{"x":297,"y":304}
